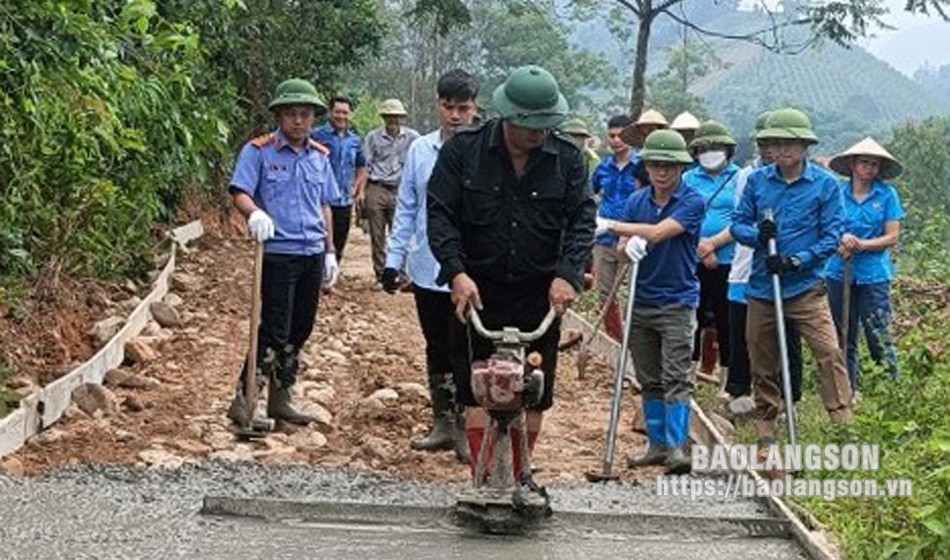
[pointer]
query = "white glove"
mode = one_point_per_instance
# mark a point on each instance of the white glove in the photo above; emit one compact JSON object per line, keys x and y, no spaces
{"x":260,"y":226}
{"x":636,"y":249}
{"x":603,"y":226}
{"x":331,"y":270}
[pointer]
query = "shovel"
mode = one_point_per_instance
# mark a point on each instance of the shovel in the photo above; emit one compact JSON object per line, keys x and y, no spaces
{"x":252,"y":427}
{"x":607,"y":472}
{"x":583,"y":355}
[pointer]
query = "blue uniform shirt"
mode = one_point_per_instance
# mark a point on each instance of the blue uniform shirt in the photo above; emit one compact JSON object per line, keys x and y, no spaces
{"x":289,"y":187}
{"x":667,"y":275}
{"x":810,"y":220}
{"x":719,"y":209}
{"x":615,"y":186}
{"x":409,"y":242}
{"x":346,"y":156}
{"x":866,"y":220}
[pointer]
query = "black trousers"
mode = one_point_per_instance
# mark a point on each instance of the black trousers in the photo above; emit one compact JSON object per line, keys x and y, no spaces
{"x":522,"y":305}
{"x":290,"y":294}
{"x":713,"y":310}
{"x":739,"y":382}
{"x":435,"y":311}
{"x":342,"y":218}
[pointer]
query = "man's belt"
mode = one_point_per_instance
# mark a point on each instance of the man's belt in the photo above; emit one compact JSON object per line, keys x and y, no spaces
{"x":385,"y":185}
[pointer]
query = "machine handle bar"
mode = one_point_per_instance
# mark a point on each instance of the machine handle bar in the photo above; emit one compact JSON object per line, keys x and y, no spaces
{"x":522,"y":336}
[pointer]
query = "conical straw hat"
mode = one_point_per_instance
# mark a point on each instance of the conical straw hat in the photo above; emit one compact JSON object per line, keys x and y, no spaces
{"x":652,"y":116}
{"x":890,"y":167}
{"x":685,"y":121}
{"x":633,"y":135}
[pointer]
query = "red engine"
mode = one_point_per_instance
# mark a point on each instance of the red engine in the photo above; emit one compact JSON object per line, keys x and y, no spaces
{"x":498,"y":384}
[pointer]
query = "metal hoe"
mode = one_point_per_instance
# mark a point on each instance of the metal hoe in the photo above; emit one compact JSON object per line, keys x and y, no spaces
{"x":607,"y":472}
{"x":254,"y":427}
{"x":583,"y":355}
{"x":782,"y":340}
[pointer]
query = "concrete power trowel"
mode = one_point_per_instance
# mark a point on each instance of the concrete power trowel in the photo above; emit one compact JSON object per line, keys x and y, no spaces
{"x":504,"y":386}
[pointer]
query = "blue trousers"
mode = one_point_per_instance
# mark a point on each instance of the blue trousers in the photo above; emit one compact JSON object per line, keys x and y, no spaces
{"x":870,"y":312}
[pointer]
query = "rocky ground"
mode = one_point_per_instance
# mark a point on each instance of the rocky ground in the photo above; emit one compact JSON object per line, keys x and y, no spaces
{"x":363,"y":376}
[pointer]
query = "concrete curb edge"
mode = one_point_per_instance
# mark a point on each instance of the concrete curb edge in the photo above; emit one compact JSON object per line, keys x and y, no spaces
{"x":46,"y":405}
{"x":704,"y":431}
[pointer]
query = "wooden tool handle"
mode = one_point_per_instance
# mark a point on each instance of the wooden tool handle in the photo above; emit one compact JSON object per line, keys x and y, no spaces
{"x":250,"y":379}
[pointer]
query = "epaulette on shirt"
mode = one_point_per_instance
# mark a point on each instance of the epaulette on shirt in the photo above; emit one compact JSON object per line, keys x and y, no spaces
{"x":262,"y":140}
{"x":319,"y":147}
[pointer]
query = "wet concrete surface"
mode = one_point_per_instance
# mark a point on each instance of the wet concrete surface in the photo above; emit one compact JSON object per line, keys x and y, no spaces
{"x":114,"y":512}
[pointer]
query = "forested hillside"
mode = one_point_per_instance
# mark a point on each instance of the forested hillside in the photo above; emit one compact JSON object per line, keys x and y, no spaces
{"x":849,"y":91}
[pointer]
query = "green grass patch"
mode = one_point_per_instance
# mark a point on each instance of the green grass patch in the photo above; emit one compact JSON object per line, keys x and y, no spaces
{"x":908,"y":419}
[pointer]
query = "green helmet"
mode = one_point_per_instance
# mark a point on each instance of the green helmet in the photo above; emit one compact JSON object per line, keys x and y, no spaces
{"x":709,"y":133}
{"x":788,"y":124}
{"x":297,"y":92}
{"x":576,"y":127}
{"x":530,"y":98}
{"x":665,"y":146}
{"x":759,"y":124}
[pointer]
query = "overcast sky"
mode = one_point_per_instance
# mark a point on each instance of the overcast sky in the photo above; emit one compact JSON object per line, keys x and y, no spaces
{"x":917,"y":39}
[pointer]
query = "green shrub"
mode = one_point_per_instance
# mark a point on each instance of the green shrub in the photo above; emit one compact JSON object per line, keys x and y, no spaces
{"x":101,"y":133}
{"x":113,"y":113}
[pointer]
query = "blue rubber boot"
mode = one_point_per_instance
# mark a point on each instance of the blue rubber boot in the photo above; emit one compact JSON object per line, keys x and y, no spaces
{"x":677,"y":435}
{"x":655,"y":412}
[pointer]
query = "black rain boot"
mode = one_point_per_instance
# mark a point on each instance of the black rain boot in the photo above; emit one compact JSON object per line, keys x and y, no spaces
{"x":462,"y":452}
{"x":442,"y":435}
{"x":279,"y":407}
{"x":278,"y":390}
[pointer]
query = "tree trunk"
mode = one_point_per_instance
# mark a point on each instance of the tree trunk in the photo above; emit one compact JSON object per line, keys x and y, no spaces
{"x":638,"y":92}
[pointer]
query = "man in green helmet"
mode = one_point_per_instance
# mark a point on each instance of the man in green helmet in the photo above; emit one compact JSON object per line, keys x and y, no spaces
{"x":283,"y":183}
{"x":736,"y":395}
{"x":798,"y":204}
{"x":660,"y":234}
{"x":577,"y":129}
{"x":511,"y":222}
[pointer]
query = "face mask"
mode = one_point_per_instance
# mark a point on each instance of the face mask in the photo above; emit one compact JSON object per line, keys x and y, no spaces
{"x":713,"y":160}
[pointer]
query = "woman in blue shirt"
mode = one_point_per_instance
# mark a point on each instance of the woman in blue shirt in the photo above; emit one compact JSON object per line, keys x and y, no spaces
{"x":872,"y":226}
{"x":715,"y":177}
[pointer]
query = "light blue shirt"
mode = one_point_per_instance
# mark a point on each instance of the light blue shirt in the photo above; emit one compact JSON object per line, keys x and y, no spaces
{"x":810,"y":220}
{"x":719,"y":193}
{"x":866,"y":220}
{"x":291,"y":187}
{"x":409,"y":241}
